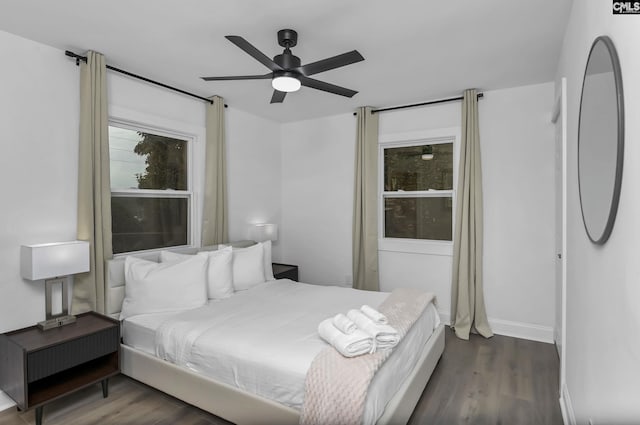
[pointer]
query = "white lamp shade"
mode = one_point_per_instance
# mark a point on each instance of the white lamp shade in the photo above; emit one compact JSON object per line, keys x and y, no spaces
{"x":264,"y":232}
{"x":45,"y":261}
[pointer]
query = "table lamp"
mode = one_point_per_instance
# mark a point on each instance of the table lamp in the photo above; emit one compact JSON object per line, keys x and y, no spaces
{"x":263,"y":232}
{"x":54,"y":262}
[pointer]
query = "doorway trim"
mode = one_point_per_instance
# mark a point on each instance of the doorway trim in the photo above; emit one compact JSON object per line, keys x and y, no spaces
{"x":559,"y":118}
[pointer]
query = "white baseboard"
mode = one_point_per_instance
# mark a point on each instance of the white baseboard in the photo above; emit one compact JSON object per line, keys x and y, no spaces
{"x":5,"y":402}
{"x":568,"y":416}
{"x":522,"y":330}
{"x":515,"y":329}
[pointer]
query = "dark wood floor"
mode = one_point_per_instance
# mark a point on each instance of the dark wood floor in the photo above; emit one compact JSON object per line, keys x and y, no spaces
{"x":499,"y":381}
{"x":129,"y":402}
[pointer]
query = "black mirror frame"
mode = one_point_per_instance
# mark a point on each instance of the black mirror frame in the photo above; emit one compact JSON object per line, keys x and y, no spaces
{"x":617,"y":73}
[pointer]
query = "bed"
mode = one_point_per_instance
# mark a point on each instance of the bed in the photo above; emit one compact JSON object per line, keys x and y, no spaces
{"x":247,"y":360}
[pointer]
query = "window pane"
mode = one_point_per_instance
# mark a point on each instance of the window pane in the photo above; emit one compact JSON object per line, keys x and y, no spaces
{"x":148,"y":223}
{"x":142,"y":160}
{"x":418,"y":218}
{"x":405,"y":169}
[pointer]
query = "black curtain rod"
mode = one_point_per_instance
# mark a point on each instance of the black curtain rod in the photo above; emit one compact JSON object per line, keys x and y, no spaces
{"x":413,"y":105}
{"x":79,"y":58}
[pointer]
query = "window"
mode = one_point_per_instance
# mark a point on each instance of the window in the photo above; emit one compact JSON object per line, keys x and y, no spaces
{"x":417,"y":189}
{"x":151,"y":192}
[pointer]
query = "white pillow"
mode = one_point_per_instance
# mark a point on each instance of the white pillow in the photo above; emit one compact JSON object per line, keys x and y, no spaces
{"x":219,"y":270}
{"x":268,"y":268}
{"x":158,"y":287}
{"x":248,"y":267}
{"x":168,"y":256}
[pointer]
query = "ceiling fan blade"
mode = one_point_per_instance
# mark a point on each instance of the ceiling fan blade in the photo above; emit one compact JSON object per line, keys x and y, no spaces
{"x":321,"y":85}
{"x":253,"y":52}
{"x":239,"y":77}
{"x":278,"y":96}
{"x":331,"y":63}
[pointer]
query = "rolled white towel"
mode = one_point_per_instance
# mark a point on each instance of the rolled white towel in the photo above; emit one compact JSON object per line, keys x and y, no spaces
{"x":344,"y":324}
{"x":352,"y":345}
{"x":384,"y":336}
{"x":374,"y":315}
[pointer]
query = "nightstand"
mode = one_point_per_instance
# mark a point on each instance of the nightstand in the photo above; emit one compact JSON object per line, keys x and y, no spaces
{"x":38,"y":366}
{"x":285,"y":271}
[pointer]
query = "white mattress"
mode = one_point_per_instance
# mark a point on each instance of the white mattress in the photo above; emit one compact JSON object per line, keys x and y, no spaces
{"x":263,"y":340}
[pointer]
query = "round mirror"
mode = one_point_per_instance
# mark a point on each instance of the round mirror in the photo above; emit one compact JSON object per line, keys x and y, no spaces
{"x":600,"y":140}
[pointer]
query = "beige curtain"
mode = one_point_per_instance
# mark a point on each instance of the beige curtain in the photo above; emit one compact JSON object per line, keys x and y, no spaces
{"x":94,"y":188}
{"x":214,"y":216}
{"x":467,"y":298}
{"x":365,"y":206}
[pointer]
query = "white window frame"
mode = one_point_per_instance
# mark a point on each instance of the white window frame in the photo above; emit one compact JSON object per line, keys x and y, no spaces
{"x":426,"y":137}
{"x":188,"y":194}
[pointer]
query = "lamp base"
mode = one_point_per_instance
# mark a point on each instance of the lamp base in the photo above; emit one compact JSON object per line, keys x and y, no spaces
{"x":56,"y":322}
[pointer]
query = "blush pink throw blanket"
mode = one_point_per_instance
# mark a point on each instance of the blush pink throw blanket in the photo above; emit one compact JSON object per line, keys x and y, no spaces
{"x":336,"y":386}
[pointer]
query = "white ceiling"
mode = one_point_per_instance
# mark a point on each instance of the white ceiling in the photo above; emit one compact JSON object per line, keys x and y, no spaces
{"x":415,"y":50}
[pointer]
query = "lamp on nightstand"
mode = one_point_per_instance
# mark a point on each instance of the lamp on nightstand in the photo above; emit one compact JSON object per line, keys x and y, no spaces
{"x":263,"y":232}
{"x":54,"y":262}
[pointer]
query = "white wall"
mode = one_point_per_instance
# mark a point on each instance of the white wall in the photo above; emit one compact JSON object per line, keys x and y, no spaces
{"x":517,"y":142}
{"x":516,"y":138}
{"x":38,"y":165}
{"x":253,"y":169}
{"x":603,"y":291}
{"x":317,"y":197}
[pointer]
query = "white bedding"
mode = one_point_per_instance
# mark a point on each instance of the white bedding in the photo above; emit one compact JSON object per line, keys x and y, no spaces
{"x":263,"y":340}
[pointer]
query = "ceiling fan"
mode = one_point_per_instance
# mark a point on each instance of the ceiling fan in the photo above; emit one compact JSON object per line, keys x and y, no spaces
{"x":287,"y":74}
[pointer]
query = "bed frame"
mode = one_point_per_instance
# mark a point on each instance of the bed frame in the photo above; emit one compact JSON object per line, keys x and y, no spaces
{"x":236,"y":405}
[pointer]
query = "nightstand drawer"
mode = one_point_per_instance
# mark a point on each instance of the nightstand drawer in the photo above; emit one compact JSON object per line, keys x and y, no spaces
{"x":54,"y":359}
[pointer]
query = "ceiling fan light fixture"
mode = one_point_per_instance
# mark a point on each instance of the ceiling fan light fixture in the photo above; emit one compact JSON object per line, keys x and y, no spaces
{"x":287,"y":72}
{"x":286,"y":84}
